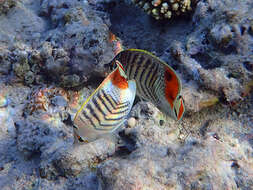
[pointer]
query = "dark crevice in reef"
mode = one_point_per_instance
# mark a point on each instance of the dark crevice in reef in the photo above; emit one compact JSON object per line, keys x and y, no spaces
{"x":139,"y":30}
{"x":207,"y":61}
{"x":129,"y":144}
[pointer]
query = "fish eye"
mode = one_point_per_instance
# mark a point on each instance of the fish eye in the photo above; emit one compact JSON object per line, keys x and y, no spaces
{"x":113,"y":65}
{"x":80,"y":139}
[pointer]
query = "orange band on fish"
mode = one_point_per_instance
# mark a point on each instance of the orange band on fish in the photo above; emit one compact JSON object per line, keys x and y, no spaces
{"x":156,"y":81}
{"x":171,"y":86}
{"x":119,"y":81}
{"x":107,"y":108}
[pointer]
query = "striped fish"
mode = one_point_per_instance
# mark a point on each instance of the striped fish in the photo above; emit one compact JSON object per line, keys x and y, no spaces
{"x":156,"y":81}
{"x":106,"y":108}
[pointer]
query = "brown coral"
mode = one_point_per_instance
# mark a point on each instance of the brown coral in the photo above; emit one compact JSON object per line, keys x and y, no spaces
{"x":41,"y":98}
{"x":164,"y":9}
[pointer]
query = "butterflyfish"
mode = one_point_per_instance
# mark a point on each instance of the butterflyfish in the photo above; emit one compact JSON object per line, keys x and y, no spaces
{"x":156,"y":81}
{"x":106,"y":108}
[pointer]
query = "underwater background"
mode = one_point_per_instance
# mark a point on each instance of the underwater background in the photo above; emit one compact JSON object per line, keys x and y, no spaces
{"x":52,"y":57}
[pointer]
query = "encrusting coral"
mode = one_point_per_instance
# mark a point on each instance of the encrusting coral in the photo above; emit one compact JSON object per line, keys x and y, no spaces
{"x":164,"y":9}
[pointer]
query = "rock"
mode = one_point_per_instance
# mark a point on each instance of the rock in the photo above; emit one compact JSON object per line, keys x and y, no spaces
{"x":59,"y":101}
{"x":195,"y":99}
{"x":49,"y":101}
{"x":131,"y":122}
{"x":162,"y":166}
{"x":46,"y":50}
{"x":35,"y":136}
{"x":29,"y":77}
{"x":74,"y":159}
{"x":81,"y":34}
{"x":7,"y":128}
{"x":221,"y":34}
{"x":21,"y":67}
{"x":5,"y":61}
{"x":5,"y":5}
{"x":71,"y":81}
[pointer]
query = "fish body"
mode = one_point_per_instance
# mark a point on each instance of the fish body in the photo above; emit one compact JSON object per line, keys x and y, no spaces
{"x":156,"y":81}
{"x":107,"y":107}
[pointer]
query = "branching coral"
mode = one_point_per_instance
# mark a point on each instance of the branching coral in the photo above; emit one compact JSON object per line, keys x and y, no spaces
{"x":164,"y":9}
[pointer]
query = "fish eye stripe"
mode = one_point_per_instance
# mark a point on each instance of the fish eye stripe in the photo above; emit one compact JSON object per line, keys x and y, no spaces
{"x":175,"y":112}
{"x":80,"y":139}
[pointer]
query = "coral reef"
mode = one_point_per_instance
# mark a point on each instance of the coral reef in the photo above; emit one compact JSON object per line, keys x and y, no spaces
{"x":5,"y":5}
{"x":72,"y":160}
{"x":212,"y":53}
{"x":161,"y":161}
{"x":51,"y":59}
{"x":68,"y":51}
{"x":164,"y":9}
{"x":35,"y":136}
{"x":41,"y":99}
{"x":79,"y":47}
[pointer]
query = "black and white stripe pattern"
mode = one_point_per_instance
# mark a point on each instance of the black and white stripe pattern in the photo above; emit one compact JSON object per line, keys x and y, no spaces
{"x":145,"y":71}
{"x":105,"y":112}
